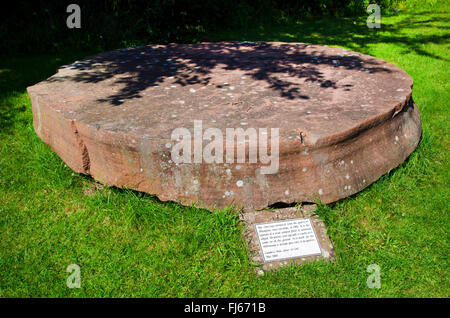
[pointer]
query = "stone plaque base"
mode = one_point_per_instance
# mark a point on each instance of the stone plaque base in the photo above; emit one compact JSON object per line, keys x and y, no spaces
{"x":302,"y":249}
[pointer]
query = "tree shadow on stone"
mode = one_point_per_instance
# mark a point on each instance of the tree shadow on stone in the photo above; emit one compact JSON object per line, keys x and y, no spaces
{"x":135,"y":69}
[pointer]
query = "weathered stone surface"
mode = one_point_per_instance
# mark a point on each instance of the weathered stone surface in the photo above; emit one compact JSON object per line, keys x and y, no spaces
{"x":344,"y":119}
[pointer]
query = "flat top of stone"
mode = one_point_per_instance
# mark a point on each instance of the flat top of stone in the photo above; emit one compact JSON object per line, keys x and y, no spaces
{"x":318,"y":92}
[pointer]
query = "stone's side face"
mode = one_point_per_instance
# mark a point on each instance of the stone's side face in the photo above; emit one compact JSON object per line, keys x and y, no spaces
{"x":344,"y":119}
{"x":258,"y":217}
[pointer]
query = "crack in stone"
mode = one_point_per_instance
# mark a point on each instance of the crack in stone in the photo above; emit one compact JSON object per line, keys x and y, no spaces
{"x":85,"y":159}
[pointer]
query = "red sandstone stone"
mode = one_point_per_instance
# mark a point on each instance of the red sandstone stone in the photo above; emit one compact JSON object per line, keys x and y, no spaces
{"x":344,"y":119}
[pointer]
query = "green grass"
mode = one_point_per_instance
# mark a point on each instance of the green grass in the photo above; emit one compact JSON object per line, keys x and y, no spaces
{"x":130,"y":244}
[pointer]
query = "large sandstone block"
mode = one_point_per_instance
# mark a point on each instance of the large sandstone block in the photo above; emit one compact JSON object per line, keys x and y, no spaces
{"x":343,"y":119}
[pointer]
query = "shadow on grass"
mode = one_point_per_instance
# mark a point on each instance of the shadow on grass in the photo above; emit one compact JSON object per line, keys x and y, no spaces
{"x":96,"y":188}
{"x":16,"y":74}
{"x":354,"y":34}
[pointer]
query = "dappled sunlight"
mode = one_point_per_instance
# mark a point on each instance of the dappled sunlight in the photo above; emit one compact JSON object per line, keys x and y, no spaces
{"x":142,"y":67}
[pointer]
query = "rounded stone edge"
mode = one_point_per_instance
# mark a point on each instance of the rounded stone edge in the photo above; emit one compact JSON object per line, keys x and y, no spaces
{"x":325,"y":174}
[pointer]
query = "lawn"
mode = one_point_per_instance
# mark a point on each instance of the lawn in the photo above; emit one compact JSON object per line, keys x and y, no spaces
{"x":131,"y":244}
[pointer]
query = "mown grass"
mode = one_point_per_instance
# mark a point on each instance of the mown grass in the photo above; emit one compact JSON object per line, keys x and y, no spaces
{"x":130,"y":244}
